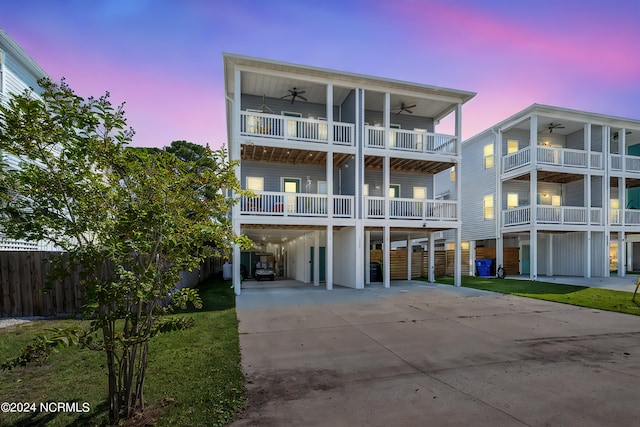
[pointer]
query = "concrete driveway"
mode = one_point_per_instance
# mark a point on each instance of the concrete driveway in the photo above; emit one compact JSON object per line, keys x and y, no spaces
{"x":420,"y":354}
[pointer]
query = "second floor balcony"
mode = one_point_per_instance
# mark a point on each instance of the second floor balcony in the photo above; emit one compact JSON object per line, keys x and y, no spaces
{"x":296,"y":129}
{"x":411,"y":209}
{"x":410,"y":140}
{"x":284,"y":204}
{"x":559,"y":215}
{"x":554,"y":156}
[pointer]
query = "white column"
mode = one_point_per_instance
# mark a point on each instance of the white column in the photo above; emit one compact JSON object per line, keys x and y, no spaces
{"x":316,"y":258}
{"x":622,"y":256}
{"x":457,"y":254}
{"x":236,"y":260}
{"x":329,"y":258}
{"x":329,"y":114}
{"x":533,"y":197}
{"x":359,"y":261}
{"x":606,"y":198}
{"x":367,"y":257}
{"x":472,"y":258}
{"x":409,"y":256}
{"x":587,"y":253}
{"x":629,"y":256}
{"x":386,"y":256}
{"x":432,"y":257}
{"x":385,"y":185}
{"x":329,"y":180}
{"x":550,"y":255}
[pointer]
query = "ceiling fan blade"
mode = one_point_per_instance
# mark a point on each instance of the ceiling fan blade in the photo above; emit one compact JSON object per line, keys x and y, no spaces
{"x":301,"y":92}
{"x":408,"y":111}
{"x":286,"y":96}
{"x":399,"y":111}
{"x":301,"y":97}
{"x":410,"y":106}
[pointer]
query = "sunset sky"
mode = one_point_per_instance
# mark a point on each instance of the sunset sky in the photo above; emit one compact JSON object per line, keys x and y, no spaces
{"x":164,"y":57}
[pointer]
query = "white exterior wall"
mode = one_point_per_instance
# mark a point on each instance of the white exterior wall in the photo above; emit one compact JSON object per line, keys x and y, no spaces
{"x":344,"y":268}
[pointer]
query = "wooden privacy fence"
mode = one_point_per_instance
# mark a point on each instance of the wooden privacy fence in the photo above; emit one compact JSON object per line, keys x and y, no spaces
{"x":23,"y":292}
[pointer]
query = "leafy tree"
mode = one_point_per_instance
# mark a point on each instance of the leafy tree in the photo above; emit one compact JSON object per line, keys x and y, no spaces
{"x":129,"y":219}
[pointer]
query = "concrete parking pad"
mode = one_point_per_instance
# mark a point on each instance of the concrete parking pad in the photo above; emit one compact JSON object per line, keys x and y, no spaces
{"x":419,"y":354}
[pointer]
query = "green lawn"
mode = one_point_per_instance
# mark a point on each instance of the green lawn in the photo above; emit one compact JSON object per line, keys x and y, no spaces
{"x":194,"y":376}
{"x":603,"y":299}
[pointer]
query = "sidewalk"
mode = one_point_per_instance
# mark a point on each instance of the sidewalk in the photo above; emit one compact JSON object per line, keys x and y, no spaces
{"x":422,"y":354}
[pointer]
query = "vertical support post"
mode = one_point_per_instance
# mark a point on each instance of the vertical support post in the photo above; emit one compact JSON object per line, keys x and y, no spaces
{"x":367,"y":257}
{"x":329,"y":114}
{"x":409,"y":256}
{"x":622,"y":248}
{"x":533,"y":197}
{"x":550,"y":256}
{"x":457,"y":261}
{"x":533,"y":254}
{"x":386,"y":246}
{"x":329,"y":258}
{"x":432,"y":257}
{"x":316,"y":258}
{"x":472,"y":258}
{"x":236,"y":260}
{"x":386,"y":183}
{"x":359,"y":261}
{"x":606,"y":197}
{"x":587,"y":253}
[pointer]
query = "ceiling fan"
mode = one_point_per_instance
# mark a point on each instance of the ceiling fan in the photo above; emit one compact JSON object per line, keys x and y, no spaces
{"x":406,"y":108}
{"x":616,"y":135}
{"x":553,"y":126}
{"x":295,"y":93}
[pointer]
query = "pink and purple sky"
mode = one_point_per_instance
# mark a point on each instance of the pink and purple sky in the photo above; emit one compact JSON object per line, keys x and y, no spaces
{"x":164,"y":57}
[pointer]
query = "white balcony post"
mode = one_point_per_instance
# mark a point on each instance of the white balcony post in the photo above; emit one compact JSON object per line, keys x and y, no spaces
{"x":550,"y":256}
{"x":236,"y":260}
{"x":622,"y":199}
{"x":457,"y":259}
{"x":386,"y":256}
{"x":458,"y":124}
{"x":533,"y":197}
{"x":533,"y":254}
{"x":387,"y":118}
{"x":431,"y":268}
{"x":367,"y":257}
{"x":359,"y":256}
{"x":316,"y":258}
{"x":329,"y":181}
{"x":330,"y":129}
{"x":329,"y":258}
{"x":409,"y":254}
{"x":622,"y":247}
{"x":587,"y":253}
{"x":386,"y":183}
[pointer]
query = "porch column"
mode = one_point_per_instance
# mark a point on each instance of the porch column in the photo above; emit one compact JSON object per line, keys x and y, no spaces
{"x":457,"y":261}
{"x":629,"y":254}
{"x":622,"y":247}
{"x":359,"y":261}
{"x":385,"y":186}
{"x":386,"y":118}
{"x":550,"y":256}
{"x":316,"y":258}
{"x":329,"y":180}
{"x":431,"y":268}
{"x":472,"y":258}
{"x":499,"y":252}
{"x":236,"y":260}
{"x":409,"y":252}
{"x":367,"y":257}
{"x":386,"y":256}
{"x":587,"y":253}
{"x":533,"y":197}
{"x":533,"y":254}
{"x":329,"y":114}
{"x":328,"y":275}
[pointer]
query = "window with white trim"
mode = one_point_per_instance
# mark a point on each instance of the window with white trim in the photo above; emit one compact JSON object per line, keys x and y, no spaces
{"x":488,"y":156}
{"x":488,"y":206}
{"x":255,"y":183}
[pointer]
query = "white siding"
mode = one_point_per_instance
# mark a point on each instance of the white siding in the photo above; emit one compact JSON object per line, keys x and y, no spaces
{"x":476,"y":183}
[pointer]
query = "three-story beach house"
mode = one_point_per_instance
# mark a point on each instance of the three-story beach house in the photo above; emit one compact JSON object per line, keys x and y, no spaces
{"x":559,"y":189}
{"x":339,"y":164}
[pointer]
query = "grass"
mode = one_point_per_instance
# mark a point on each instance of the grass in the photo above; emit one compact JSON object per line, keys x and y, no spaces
{"x":602,"y":299}
{"x":194,"y":376}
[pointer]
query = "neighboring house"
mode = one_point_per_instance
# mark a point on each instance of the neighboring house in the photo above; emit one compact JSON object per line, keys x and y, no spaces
{"x":18,"y":72}
{"x":559,"y":188}
{"x":339,"y":163}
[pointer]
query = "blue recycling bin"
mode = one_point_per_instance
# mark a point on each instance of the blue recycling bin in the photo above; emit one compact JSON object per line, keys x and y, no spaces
{"x":483,"y":267}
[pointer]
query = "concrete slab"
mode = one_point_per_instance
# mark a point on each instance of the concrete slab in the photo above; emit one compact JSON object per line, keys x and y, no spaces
{"x":419,"y":354}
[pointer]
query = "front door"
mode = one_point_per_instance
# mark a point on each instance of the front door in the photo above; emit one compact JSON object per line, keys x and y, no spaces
{"x":291,"y":185}
{"x":322,"y":263}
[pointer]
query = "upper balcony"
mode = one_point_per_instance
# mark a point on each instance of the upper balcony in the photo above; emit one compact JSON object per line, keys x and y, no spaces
{"x":411,"y":209}
{"x":415,"y":141}
{"x":571,"y":159}
{"x":552,"y":215}
{"x":296,"y":129}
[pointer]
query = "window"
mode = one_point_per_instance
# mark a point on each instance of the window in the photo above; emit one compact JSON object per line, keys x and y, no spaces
{"x":322,"y":187}
{"x":512,"y":200}
{"x":255,"y":183}
{"x":452,"y":174}
{"x":292,"y":125}
{"x":488,"y":156}
{"x":419,"y":138}
{"x":419,"y":192}
{"x":555,"y":200}
{"x":512,"y":146}
{"x":365,"y":190}
{"x":394,"y":191}
{"x":488,"y":206}
{"x":393,"y":136}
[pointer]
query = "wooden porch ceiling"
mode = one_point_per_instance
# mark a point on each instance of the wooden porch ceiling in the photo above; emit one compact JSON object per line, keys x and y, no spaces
{"x":555,"y":177}
{"x":406,"y":165}
{"x":290,"y":156}
{"x":630,"y":182}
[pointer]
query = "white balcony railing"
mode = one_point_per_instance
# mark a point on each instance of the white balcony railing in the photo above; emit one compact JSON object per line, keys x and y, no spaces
{"x":565,"y":157}
{"x":412,"y":209}
{"x":410,"y":140}
{"x":569,"y":215}
{"x":624,"y":163}
{"x":296,"y":204}
{"x":295,"y":128}
{"x":631,"y":216}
